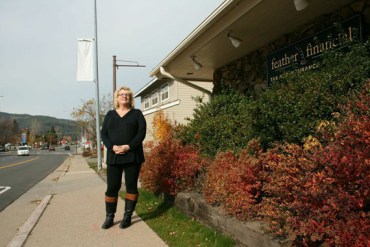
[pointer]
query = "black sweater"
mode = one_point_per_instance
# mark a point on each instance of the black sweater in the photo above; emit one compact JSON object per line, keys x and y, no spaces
{"x":127,"y":130}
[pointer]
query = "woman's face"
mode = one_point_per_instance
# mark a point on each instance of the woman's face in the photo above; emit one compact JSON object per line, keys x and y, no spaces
{"x":124,"y":97}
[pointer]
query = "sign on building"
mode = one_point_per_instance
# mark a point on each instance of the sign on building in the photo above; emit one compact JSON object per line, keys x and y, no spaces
{"x":306,"y":54}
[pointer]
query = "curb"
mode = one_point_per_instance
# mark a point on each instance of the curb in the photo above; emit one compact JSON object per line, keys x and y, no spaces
{"x":27,"y":227}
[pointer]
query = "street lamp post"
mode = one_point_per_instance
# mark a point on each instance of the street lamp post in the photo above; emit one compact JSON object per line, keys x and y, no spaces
{"x":97,"y":110}
{"x":116,"y":66}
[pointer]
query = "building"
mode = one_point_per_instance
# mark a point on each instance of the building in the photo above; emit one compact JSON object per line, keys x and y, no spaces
{"x":233,"y":44}
{"x":247,"y":44}
{"x":176,"y":98}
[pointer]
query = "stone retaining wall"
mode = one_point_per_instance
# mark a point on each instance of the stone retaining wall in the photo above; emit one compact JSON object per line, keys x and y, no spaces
{"x":249,"y":234}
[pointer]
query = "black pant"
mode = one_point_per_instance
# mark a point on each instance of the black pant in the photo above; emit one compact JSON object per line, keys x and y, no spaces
{"x":114,"y":178}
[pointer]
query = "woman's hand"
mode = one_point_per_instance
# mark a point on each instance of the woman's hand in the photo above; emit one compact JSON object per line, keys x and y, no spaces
{"x":121,"y":149}
{"x":126,"y":148}
{"x":117,"y":149}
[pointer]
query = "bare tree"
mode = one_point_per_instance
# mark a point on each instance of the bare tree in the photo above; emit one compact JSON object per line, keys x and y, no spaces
{"x":86,"y":115}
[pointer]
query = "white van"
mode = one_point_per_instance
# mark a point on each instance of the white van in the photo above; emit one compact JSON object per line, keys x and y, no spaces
{"x":23,"y":150}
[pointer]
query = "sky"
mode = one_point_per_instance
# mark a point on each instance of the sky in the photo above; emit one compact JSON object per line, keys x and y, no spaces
{"x":38,"y":47}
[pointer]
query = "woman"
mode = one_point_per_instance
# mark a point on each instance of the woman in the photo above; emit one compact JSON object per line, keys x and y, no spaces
{"x":123,"y":133}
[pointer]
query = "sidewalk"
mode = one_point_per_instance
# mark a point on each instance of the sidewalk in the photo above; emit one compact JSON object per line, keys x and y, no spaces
{"x":73,"y":201}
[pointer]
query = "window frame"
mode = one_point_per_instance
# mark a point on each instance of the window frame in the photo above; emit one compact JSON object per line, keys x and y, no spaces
{"x":153,"y":96}
{"x":166,"y":85}
{"x":147,"y":99}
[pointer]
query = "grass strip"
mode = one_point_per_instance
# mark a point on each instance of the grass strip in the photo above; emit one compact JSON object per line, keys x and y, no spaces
{"x":175,"y":227}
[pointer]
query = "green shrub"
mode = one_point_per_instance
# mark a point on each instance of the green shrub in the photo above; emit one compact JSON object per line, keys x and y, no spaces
{"x":219,"y":125}
{"x":288,"y":111}
{"x":291,"y":109}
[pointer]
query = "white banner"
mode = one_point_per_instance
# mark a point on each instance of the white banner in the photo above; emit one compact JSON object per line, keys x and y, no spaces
{"x":84,"y":60}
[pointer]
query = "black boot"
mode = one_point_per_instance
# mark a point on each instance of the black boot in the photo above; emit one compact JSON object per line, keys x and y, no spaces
{"x":110,"y":208}
{"x":129,"y":209}
{"x":109,"y":219}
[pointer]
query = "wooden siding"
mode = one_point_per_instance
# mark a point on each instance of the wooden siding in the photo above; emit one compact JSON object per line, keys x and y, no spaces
{"x":178,"y":107}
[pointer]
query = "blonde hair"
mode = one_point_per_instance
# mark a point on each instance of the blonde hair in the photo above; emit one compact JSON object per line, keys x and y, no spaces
{"x":116,"y":93}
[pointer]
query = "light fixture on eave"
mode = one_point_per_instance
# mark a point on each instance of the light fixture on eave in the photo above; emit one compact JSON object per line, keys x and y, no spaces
{"x":197,"y":65}
{"x":234,"y":40}
{"x":300,"y":4}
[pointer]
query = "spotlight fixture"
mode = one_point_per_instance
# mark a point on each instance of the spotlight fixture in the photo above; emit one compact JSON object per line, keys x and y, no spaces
{"x":300,"y":4}
{"x":197,"y":65}
{"x":234,"y":40}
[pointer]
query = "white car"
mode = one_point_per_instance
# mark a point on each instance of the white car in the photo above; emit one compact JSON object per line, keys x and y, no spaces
{"x":23,"y":150}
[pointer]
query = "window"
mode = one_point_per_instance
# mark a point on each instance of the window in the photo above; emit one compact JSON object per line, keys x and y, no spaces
{"x":155,"y":98}
{"x":164,"y":92}
{"x":146,"y":102}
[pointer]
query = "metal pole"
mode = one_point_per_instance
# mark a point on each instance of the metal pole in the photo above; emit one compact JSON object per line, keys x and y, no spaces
{"x":97,"y":92}
{"x":114,"y":74}
{"x":116,"y":66}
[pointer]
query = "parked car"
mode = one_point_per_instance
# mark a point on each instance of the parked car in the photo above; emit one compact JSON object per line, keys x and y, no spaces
{"x":23,"y":150}
{"x":51,"y":148}
{"x":2,"y":149}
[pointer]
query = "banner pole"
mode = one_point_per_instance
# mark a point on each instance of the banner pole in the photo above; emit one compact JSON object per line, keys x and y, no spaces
{"x":98,"y":146}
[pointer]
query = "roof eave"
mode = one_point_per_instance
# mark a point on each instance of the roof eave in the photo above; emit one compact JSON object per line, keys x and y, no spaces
{"x":203,"y":27}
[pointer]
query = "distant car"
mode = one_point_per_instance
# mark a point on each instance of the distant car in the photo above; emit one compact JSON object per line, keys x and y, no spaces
{"x":66,"y":147}
{"x":51,"y":148}
{"x":2,"y":149}
{"x":23,"y":150}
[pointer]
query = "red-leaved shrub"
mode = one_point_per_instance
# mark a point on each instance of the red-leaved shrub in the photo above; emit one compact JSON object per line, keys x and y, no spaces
{"x":335,"y":210}
{"x":235,"y":182}
{"x":170,"y":167}
{"x":244,"y":187}
{"x":154,"y":170}
{"x":218,"y":170}
{"x":321,"y":197}
{"x":285,"y":170}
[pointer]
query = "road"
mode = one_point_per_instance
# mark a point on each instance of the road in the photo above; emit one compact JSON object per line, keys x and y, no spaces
{"x":19,"y":174}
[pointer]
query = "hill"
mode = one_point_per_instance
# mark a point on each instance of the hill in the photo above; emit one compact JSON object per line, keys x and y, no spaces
{"x":39,"y":125}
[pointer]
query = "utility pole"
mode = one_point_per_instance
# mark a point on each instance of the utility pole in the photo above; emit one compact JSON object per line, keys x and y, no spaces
{"x":116,"y":66}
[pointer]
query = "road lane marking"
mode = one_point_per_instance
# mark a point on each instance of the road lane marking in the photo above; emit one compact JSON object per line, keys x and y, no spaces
{"x":4,"y":188}
{"x":19,"y":163}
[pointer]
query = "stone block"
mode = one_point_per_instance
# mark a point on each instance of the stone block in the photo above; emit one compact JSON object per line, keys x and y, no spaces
{"x":249,"y":234}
